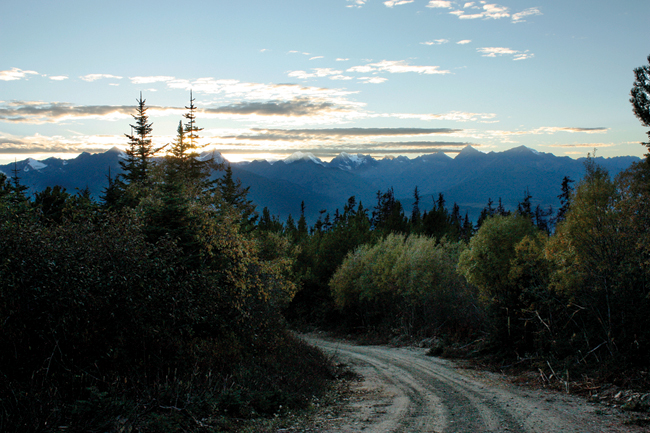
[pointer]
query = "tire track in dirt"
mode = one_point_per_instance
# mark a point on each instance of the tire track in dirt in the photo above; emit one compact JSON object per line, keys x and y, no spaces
{"x":407,"y":391}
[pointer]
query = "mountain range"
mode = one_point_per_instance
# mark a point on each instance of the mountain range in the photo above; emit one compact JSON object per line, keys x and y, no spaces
{"x":470,"y":179}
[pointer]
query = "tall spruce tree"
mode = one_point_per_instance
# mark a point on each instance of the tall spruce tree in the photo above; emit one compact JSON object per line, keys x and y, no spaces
{"x":139,"y":154}
{"x":640,"y":98}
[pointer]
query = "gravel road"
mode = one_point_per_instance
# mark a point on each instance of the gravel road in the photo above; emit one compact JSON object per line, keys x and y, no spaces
{"x":403,"y":390}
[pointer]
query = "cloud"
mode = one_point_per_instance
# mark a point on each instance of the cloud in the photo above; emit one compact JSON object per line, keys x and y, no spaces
{"x":590,"y":145}
{"x":15,"y":74}
{"x":435,"y":42}
{"x":258,"y":91}
{"x":440,"y":4}
{"x":552,"y":129}
{"x":519,"y":17}
{"x":455,"y":116}
{"x":335,"y":133}
{"x":151,"y":79}
{"x":397,"y":67}
{"x":485,"y":11}
{"x":464,"y":41}
{"x":548,"y":130}
{"x":318,"y":73}
{"x":95,"y":77}
{"x":58,"y":77}
{"x":294,"y":108}
{"x":490,"y":11}
{"x":341,"y":77}
{"x":391,"y":3}
{"x":38,"y":112}
{"x":500,"y":51}
{"x":356,"y":3}
{"x":11,"y":144}
{"x":48,"y":112}
{"x":342,"y":60}
{"x":372,"y":80}
{"x":316,"y":57}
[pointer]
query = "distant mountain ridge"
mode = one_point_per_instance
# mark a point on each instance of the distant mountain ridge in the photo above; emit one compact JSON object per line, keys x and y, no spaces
{"x":469,"y":179}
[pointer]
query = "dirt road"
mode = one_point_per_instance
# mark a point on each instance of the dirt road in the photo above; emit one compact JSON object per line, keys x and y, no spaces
{"x":403,"y":390}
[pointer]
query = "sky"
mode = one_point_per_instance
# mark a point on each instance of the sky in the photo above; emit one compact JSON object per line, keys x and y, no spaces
{"x":270,"y":78}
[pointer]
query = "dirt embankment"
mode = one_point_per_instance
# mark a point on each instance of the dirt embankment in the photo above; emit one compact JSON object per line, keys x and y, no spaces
{"x":403,"y":390}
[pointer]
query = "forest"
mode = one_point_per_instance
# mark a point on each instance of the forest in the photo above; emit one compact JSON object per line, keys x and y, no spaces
{"x":171,"y":303}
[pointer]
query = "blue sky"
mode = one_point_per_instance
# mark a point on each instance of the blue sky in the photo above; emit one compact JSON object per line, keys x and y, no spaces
{"x":397,"y":77}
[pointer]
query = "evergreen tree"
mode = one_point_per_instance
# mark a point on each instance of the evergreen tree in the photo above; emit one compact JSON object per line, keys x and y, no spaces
{"x":302,"y":231}
{"x":641,"y":98}
{"x":416,"y":216}
{"x":388,"y":215}
{"x":525,"y":207}
{"x":51,"y":204}
{"x":138,"y":162}
{"x":111,"y":194}
{"x":486,"y":212}
{"x":233,"y":194}
{"x":17,"y":190}
{"x":565,"y":199}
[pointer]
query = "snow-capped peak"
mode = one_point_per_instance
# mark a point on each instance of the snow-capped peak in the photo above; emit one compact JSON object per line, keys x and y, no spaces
{"x":345,"y":161}
{"x":36,"y":165}
{"x":216,"y":156}
{"x":299,"y":156}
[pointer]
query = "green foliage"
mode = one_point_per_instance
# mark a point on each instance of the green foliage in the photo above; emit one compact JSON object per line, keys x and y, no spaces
{"x":600,"y":266}
{"x":640,"y":96}
{"x":405,"y":283}
{"x":150,"y":318}
{"x":488,"y":263}
{"x":320,"y":255}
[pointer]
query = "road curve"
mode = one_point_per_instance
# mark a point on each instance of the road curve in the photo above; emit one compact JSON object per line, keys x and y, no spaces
{"x":406,"y":391}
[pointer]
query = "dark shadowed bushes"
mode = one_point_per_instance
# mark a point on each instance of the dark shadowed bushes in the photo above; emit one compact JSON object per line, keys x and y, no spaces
{"x":99,"y":326}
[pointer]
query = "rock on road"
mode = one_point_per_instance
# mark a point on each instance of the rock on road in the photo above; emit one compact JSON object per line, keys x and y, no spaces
{"x":403,"y":390}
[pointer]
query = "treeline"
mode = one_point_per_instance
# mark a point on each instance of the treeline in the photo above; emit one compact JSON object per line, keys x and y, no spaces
{"x":156,"y":309}
{"x":569,"y":287}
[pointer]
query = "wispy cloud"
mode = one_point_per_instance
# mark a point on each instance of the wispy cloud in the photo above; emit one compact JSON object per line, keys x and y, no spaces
{"x":464,"y":41}
{"x":372,"y":80}
{"x":483,"y":10}
{"x":391,"y":3}
{"x":342,"y":60}
{"x":44,"y":112}
{"x":589,"y":145}
{"x":546,"y":130}
{"x":294,"y":108}
{"x":34,"y":144}
{"x":440,"y":4}
{"x":336,"y":133}
{"x":500,"y":51}
{"x":455,"y":116}
{"x":435,"y":42}
{"x":519,"y":17}
{"x":258,"y":91}
{"x":489,"y":11}
{"x":356,"y":3}
{"x":15,"y":74}
{"x":317,"y":73}
{"x":316,"y":57}
{"x":58,"y":77}
{"x":95,"y":77}
{"x":150,"y":79}
{"x":397,"y":67}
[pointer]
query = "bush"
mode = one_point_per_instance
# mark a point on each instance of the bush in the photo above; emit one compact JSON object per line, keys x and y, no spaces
{"x":404,"y":283}
{"x":103,"y":327}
